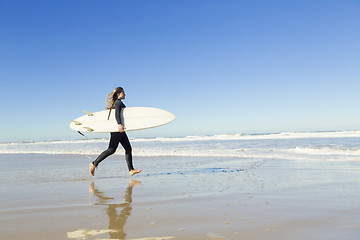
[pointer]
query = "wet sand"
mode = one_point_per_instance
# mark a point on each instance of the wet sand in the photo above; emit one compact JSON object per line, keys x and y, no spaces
{"x":53,"y":197}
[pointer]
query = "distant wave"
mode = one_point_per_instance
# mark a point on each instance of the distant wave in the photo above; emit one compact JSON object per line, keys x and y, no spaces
{"x":285,"y":135}
{"x":239,"y":136}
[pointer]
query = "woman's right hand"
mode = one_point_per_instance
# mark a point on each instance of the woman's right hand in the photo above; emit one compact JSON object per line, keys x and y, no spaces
{"x":121,"y":128}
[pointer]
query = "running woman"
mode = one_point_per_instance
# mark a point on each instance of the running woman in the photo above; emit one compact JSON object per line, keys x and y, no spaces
{"x":114,"y":101}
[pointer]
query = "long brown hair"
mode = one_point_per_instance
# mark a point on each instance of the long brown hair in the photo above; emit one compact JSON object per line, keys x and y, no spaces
{"x":111,"y":97}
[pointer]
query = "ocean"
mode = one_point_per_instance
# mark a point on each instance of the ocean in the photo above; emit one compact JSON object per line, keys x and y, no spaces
{"x":241,"y":186}
{"x":328,"y":146}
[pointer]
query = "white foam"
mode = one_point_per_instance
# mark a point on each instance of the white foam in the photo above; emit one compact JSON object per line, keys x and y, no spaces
{"x":83,"y":233}
{"x":325,"y":151}
{"x":343,"y":145}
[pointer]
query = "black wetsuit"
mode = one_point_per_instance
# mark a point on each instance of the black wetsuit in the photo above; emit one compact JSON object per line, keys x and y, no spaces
{"x":116,"y":138}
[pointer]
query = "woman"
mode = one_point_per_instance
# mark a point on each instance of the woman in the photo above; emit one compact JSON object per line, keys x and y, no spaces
{"x":114,"y":101}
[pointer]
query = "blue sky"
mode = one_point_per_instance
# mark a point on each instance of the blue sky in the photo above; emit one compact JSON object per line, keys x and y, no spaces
{"x":222,"y":67}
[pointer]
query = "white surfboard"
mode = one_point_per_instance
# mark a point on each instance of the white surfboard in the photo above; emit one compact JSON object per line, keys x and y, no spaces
{"x":134,"y":118}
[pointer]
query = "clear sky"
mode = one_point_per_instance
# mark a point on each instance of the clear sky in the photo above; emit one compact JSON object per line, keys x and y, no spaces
{"x":221,"y":66}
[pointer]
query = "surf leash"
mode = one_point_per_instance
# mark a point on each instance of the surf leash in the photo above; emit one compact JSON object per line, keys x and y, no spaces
{"x":82,"y":134}
{"x":87,"y":140}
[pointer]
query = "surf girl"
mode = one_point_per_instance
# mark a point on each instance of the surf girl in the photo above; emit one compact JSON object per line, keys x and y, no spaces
{"x":114,"y":102}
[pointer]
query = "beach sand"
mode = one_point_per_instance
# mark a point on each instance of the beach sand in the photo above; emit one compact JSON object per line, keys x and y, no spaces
{"x":54,"y":197}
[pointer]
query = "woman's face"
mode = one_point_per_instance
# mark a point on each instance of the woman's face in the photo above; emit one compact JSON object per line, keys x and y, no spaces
{"x":121,"y":95}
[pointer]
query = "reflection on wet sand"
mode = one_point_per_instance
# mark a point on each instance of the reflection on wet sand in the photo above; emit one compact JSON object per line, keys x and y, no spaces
{"x":117,"y":220}
{"x":118,"y":215}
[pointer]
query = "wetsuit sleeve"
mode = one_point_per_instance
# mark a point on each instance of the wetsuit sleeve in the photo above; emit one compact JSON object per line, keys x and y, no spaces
{"x":118,"y":107}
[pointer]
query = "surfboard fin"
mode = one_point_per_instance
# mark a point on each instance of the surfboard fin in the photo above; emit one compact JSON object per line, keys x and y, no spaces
{"x":76,"y":122}
{"x":89,"y":129}
{"x":88,"y":113}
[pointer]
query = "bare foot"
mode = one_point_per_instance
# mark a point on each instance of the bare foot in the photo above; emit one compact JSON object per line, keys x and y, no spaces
{"x":92,"y":169}
{"x":134,"y":171}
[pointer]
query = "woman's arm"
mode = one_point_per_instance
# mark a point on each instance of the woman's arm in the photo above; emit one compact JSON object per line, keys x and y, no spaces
{"x":118,"y":107}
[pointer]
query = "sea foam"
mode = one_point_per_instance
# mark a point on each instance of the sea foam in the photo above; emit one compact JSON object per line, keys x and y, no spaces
{"x":344,"y":145}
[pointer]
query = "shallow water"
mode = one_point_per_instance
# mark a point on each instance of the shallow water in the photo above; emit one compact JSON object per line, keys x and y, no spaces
{"x":53,"y":197}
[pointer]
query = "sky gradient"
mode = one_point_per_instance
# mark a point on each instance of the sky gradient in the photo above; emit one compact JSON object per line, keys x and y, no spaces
{"x":222,"y":67}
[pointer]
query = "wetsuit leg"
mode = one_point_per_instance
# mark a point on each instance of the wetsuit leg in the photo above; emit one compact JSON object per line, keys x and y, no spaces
{"x":115,"y":138}
{"x":128,"y":150}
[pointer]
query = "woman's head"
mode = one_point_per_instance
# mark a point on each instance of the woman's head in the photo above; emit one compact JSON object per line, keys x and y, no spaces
{"x":117,"y":93}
